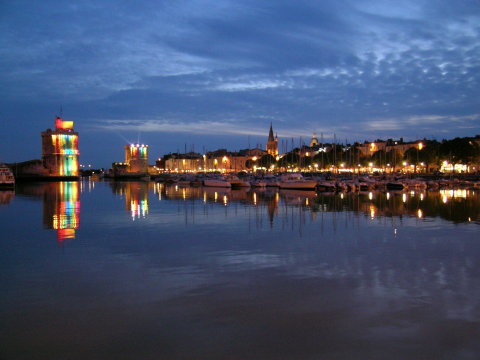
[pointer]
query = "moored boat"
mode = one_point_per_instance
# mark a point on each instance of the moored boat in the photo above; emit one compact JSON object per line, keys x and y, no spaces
{"x":295,"y":181}
{"x":325,"y":185}
{"x":7,"y":180}
{"x":236,"y":182}
{"x":395,"y":185}
{"x":258,"y":183}
{"x":219,"y":182}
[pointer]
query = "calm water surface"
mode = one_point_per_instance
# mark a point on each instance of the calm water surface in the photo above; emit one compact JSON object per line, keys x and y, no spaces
{"x":99,"y":270}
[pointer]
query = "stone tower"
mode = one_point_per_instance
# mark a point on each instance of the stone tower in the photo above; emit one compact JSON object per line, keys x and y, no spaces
{"x":136,"y":158}
{"x":60,"y":149}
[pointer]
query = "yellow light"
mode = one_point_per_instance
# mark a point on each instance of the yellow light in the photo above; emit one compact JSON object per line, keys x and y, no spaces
{"x":420,"y":146}
{"x":420,"y":213}
{"x":254,"y":158}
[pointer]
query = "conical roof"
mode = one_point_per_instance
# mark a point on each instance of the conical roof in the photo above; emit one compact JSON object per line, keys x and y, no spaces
{"x":270,"y":134}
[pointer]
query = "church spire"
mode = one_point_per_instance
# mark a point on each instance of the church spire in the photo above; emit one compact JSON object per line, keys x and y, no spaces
{"x":270,"y":134}
{"x":272,"y":143}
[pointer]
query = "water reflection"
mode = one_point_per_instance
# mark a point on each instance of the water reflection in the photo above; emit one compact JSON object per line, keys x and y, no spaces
{"x":61,"y":209}
{"x":61,"y":205}
{"x":456,"y":206}
{"x":136,"y":196}
{"x":6,"y":196}
{"x":235,"y":274}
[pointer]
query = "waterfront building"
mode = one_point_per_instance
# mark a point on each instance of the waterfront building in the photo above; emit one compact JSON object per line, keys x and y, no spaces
{"x":136,"y":158}
{"x":136,"y":162}
{"x":230,"y":162}
{"x":60,"y":149}
{"x":219,"y":160}
{"x":369,"y":148}
{"x":190,"y":162}
{"x":272,"y":143}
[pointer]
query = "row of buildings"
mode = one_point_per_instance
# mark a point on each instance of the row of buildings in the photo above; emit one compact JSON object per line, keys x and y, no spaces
{"x":245,"y":160}
{"x":60,"y":156}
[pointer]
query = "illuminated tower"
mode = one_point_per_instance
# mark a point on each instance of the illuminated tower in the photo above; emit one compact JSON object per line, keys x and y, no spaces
{"x":60,"y":149}
{"x":136,"y":157}
{"x":272,"y":143}
{"x":314,"y":140}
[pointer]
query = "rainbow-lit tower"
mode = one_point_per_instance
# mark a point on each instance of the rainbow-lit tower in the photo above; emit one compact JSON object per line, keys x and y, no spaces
{"x":136,"y":157}
{"x":60,"y":149}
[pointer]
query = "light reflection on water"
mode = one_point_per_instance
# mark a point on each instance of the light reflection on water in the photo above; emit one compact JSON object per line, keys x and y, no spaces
{"x":157,"y":271}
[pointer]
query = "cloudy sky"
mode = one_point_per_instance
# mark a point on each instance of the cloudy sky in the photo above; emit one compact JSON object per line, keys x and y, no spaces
{"x":208,"y":74}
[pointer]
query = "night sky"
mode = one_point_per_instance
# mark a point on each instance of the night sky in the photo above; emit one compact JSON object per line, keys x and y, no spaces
{"x":203,"y":75}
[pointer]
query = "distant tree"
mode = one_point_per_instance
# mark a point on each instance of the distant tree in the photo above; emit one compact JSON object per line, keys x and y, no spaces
{"x":352,"y":156}
{"x":306,"y":161}
{"x":324,"y":159}
{"x":378,"y":158}
{"x":411,"y":156}
{"x":430,"y":154}
{"x":460,"y":151}
{"x":249,"y":164}
{"x":394,"y":158}
{"x":320,"y":159}
{"x":289,"y":159}
{"x":266,"y":161}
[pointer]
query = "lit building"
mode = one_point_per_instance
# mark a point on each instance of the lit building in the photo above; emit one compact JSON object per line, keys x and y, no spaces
{"x":136,"y":158}
{"x":369,"y":148}
{"x":60,"y":149}
{"x":190,"y":162}
{"x":272,"y":143}
{"x":314,"y":140}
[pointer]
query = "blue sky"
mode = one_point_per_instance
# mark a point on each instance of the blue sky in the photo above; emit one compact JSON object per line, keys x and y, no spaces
{"x":214,"y":74}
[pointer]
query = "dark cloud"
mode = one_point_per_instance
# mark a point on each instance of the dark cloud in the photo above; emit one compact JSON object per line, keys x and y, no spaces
{"x":362,"y":68}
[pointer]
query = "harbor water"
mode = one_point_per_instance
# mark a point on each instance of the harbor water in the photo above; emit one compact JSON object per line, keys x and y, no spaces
{"x":144,"y":270}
